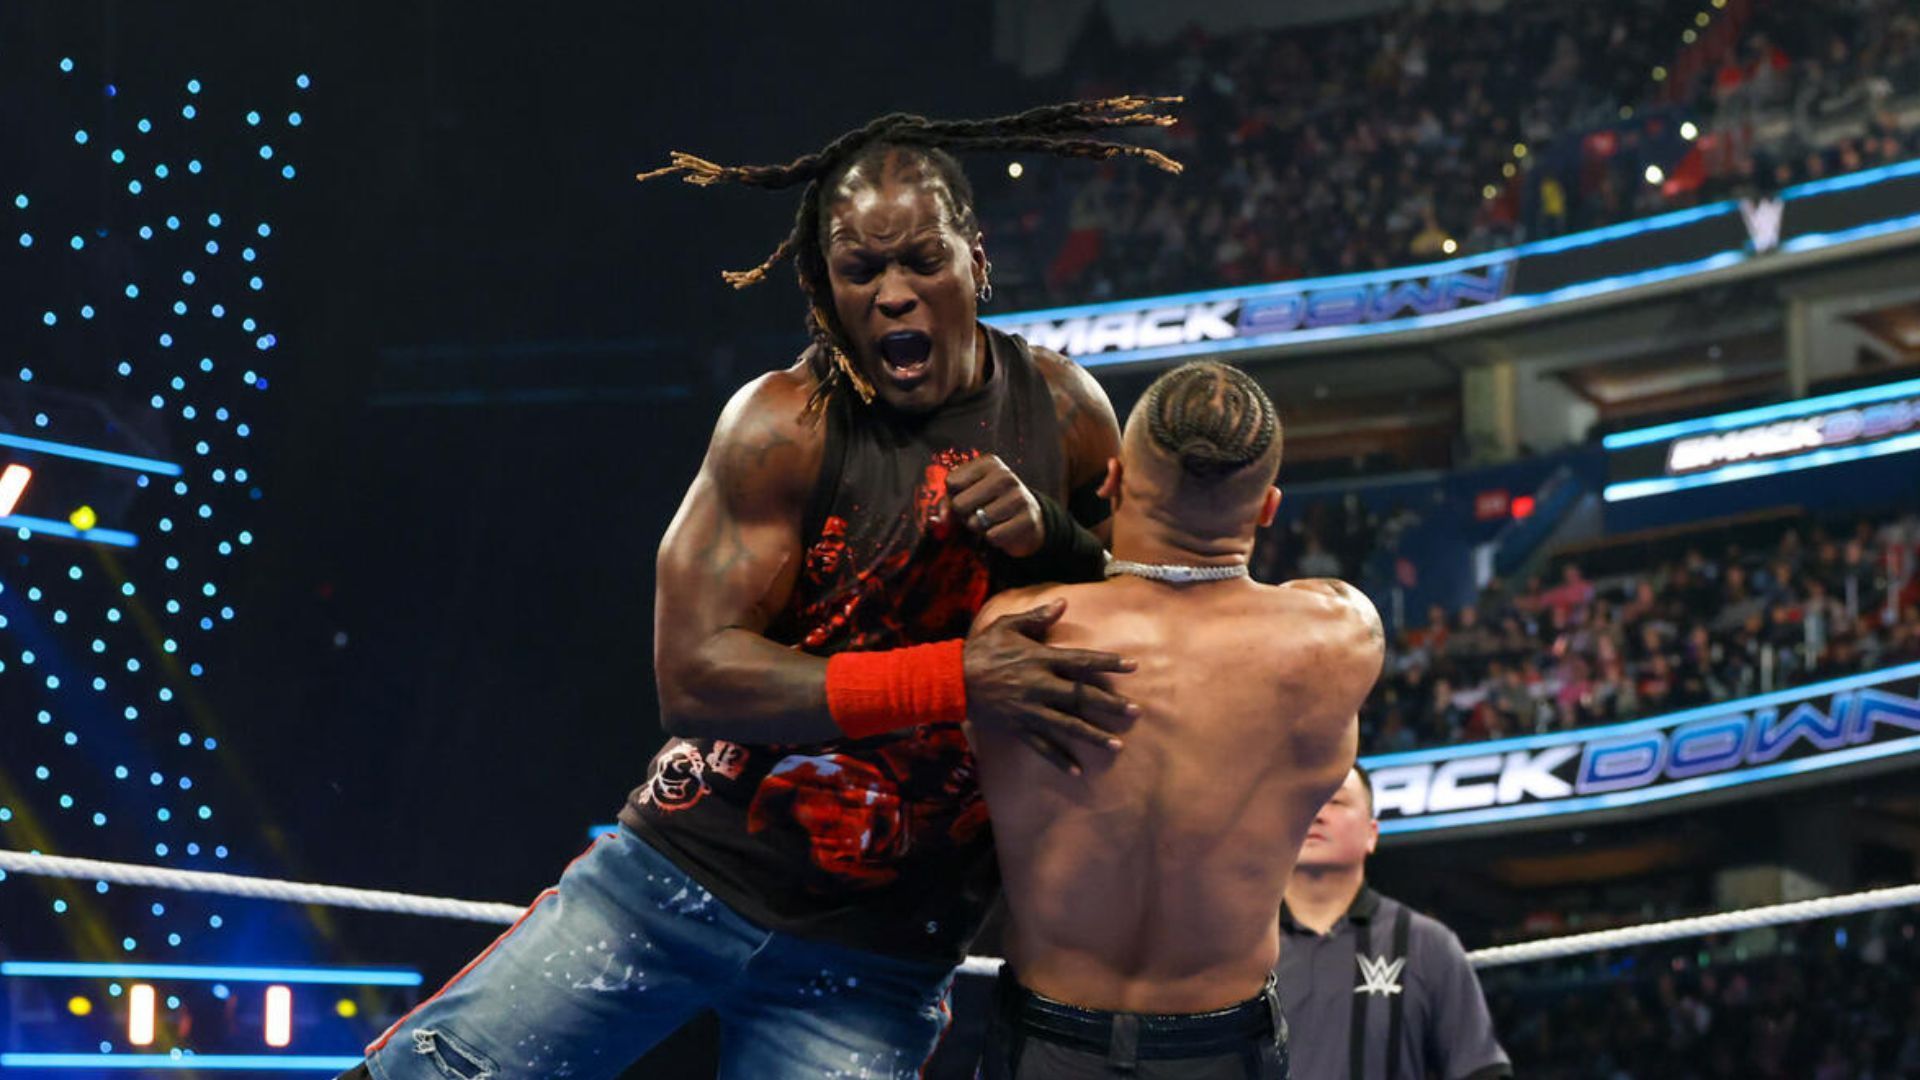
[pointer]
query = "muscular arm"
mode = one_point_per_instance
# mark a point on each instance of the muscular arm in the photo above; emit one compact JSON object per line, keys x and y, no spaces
{"x":1337,"y":649}
{"x":1091,"y":434}
{"x":726,"y":569}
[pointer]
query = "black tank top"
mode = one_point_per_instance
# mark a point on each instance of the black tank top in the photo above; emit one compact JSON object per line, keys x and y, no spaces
{"x":880,"y":843}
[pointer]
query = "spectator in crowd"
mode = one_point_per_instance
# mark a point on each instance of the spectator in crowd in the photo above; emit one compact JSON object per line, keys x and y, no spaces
{"x":1666,"y":637}
{"x":1431,"y":130}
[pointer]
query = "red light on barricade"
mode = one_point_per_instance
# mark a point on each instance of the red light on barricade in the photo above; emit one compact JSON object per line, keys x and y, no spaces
{"x":1490,"y":505}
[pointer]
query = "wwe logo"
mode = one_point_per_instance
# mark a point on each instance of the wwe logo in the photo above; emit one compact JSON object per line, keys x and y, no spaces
{"x":1763,"y":222}
{"x":1378,"y":975}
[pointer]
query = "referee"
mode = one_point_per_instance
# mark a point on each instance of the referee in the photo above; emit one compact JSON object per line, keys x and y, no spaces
{"x":1373,"y":990}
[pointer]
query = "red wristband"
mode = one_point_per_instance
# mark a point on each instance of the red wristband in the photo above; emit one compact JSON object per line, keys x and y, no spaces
{"x":872,"y":693}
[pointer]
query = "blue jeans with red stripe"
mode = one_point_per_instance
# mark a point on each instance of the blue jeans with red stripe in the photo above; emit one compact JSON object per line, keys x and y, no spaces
{"x":625,"y":950}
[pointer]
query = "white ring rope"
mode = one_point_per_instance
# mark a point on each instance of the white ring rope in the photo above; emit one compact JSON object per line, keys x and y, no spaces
{"x":1745,"y":919}
{"x":257,"y":888}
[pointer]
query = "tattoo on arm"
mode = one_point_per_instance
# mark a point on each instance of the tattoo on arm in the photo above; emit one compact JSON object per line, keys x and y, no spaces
{"x":1090,"y":433}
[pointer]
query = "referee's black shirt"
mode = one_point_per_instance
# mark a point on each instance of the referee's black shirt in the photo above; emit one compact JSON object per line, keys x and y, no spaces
{"x":1386,"y":994}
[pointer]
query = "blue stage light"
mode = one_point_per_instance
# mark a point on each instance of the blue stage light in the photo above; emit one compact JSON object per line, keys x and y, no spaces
{"x":295,"y":976}
{"x":82,"y":453}
{"x":308,"y":1063}
{"x":93,"y":651}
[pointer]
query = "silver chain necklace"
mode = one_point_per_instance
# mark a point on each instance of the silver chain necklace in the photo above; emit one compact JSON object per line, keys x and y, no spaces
{"x":1169,"y":572}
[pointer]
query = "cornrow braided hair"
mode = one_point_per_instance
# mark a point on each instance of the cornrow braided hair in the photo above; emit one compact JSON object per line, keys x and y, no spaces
{"x":1071,"y":129}
{"x":1211,"y":417}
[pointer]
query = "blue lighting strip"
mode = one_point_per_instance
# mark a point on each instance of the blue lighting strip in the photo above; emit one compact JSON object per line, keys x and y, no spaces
{"x":210,"y":1062}
{"x":1816,"y":241}
{"x":1604,"y":732}
{"x":1786,"y":410}
{"x":50,"y":527}
{"x":1600,"y":287}
{"x":1555,"y":245}
{"x":1852,"y":180}
{"x":1840,"y":455}
{"x":62,"y":969}
{"x":1570,"y":242}
{"x":87,"y":453}
{"x":1620,"y":799}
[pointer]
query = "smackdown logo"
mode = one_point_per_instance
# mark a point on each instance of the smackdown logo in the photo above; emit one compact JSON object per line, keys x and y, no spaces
{"x":1764,"y":441}
{"x":1825,"y":726}
{"x":1268,"y":312}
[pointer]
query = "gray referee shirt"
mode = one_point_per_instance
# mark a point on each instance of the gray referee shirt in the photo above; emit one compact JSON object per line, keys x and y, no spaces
{"x":1386,"y":994}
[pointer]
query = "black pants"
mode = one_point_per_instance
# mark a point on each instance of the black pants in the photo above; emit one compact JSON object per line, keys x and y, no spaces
{"x":1035,"y":1038}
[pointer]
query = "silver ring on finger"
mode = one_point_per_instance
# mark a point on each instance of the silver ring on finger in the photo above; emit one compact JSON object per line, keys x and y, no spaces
{"x":981,"y":521}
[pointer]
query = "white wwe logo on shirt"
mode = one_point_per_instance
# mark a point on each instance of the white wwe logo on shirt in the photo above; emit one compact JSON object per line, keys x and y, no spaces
{"x":1763,"y":222}
{"x":1379,"y":975}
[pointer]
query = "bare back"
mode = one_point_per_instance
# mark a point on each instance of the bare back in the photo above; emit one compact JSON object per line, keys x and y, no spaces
{"x":1152,"y":882}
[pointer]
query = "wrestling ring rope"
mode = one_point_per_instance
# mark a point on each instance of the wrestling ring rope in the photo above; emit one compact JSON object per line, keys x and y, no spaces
{"x":259,"y":888}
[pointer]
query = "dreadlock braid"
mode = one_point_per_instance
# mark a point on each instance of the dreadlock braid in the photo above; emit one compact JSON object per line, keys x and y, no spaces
{"x":1070,"y":129}
{"x":1212,"y":417}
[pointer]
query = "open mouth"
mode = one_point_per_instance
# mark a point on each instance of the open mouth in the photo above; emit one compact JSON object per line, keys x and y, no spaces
{"x":906,"y":355}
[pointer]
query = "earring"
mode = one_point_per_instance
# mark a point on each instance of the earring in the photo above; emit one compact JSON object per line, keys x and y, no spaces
{"x":985,"y":292}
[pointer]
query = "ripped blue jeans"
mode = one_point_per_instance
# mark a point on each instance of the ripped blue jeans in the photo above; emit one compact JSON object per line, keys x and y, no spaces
{"x":626,"y":949}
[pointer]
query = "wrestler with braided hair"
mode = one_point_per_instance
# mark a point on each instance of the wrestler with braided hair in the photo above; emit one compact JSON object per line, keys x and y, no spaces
{"x":1066,"y":130}
{"x":1141,"y":896}
{"x":809,"y":854}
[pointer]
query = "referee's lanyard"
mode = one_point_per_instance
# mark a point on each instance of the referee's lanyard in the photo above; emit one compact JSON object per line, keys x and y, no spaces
{"x":1396,"y":1003}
